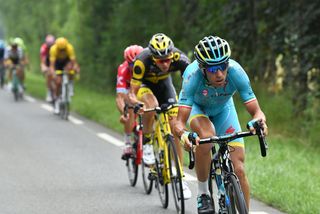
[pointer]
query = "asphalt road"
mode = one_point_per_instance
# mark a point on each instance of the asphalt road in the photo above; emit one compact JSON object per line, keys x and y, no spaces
{"x":52,"y":166}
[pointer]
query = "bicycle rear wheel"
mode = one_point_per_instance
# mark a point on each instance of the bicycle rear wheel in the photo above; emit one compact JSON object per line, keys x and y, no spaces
{"x":233,"y":190}
{"x":132,"y":168}
{"x":161,"y":186}
{"x":175,"y":176}
{"x":146,"y":172}
{"x":146,"y":178}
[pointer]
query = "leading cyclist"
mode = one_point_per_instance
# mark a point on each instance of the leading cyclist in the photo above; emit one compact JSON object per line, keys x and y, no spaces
{"x":124,"y":76}
{"x":206,"y":103}
{"x":62,"y":57}
{"x":151,"y":74}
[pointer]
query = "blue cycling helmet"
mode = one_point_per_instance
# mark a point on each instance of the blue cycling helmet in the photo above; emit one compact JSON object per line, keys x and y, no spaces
{"x":212,"y":50}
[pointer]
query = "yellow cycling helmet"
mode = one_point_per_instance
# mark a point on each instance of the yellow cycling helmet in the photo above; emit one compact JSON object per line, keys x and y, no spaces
{"x":161,"y":46}
{"x":61,"y":43}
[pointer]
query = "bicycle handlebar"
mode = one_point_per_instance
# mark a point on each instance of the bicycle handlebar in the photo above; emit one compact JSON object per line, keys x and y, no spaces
{"x":163,"y":108}
{"x":135,"y":108}
{"x":227,"y":138}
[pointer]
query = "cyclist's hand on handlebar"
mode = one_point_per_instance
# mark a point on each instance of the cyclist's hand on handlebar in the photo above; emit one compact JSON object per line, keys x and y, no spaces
{"x":124,"y":118}
{"x":139,"y":108}
{"x":186,"y":138}
{"x":252,"y":124}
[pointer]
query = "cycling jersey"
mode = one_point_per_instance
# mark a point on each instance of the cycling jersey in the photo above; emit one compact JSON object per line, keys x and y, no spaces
{"x":61,"y":57}
{"x":44,"y":54}
{"x":123,"y":78}
{"x":216,"y":103}
{"x":15,"y":56}
{"x":147,"y":75}
{"x":145,"y":69}
{"x":62,"y":54}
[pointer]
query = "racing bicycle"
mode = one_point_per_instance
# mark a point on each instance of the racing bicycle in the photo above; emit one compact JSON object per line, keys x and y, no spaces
{"x":168,"y":169}
{"x":135,"y":159}
{"x":229,"y":195}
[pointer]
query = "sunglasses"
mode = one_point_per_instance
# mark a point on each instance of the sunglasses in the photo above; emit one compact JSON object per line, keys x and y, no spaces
{"x":213,"y":69}
{"x":163,"y":60}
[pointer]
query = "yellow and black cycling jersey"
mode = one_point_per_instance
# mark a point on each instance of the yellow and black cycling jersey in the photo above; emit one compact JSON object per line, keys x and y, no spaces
{"x":65,"y":54}
{"x":145,"y":69}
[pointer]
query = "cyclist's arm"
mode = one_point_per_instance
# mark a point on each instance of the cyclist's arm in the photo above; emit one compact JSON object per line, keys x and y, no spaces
{"x":182,"y":118}
{"x":120,"y":101}
{"x":52,"y":57}
{"x":133,"y":94}
{"x":255,"y":111}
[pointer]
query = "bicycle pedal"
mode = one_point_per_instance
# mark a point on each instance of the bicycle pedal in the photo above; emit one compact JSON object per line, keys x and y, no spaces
{"x":152,"y":176}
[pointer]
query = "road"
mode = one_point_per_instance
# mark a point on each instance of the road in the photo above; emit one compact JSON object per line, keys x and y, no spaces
{"x":52,"y":166}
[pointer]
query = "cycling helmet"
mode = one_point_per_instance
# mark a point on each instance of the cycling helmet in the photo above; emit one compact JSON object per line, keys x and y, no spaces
{"x":50,"y":39}
{"x":61,"y":43}
{"x":212,"y":50}
{"x":161,"y":46}
{"x":19,"y":42}
{"x":131,"y":52}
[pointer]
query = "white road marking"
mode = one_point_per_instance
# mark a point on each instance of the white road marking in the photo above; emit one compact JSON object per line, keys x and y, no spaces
{"x":110,"y":139}
{"x":75,"y":120}
{"x":29,"y":99}
{"x":47,"y":107}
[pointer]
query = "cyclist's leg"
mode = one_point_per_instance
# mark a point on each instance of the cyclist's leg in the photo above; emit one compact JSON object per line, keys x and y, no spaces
{"x":146,"y":96}
{"x":227,"y":122}
{"x":201,"y":124}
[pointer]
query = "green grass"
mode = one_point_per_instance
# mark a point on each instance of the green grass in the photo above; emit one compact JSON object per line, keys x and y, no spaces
{"x":288,"y":178}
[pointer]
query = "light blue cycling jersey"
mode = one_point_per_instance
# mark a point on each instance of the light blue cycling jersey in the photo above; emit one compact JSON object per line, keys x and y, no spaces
{"x":216,"y":103}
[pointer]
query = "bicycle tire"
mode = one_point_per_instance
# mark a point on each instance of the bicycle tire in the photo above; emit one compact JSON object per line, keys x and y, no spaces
{"x":233,"y":190}
{"x":160,"y":185}
{"x":147,"y":183}
{"x":175,"y":176}
{"x":67,"y":105}
{"x":211,"y":177}
{"x":132,"y":170}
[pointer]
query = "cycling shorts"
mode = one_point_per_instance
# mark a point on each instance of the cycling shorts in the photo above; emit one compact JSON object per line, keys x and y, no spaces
{"x":225,"y":122}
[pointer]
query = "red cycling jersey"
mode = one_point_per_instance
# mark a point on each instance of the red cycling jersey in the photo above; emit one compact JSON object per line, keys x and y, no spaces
{"x":124,"y":77}
{"x":44,"y":53}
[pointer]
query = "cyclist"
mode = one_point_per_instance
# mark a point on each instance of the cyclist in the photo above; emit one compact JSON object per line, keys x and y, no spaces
{"x":45,"y":64}
{"x":2,"y":69}
{"x":206,"y":103}
{"x":14,"y":58}
{"x":25,"y":60}
{"x":151,"y":74}
{"x":123,"y":84}
{"x":62,"y":57}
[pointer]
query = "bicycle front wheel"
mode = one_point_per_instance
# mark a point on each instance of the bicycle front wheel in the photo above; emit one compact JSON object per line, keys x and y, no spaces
{"x":160,"y":184}
{"x":147,"y":174}
{"x":236,"y":197}
{"x":175,"y":176}
{"x":132,"y":168}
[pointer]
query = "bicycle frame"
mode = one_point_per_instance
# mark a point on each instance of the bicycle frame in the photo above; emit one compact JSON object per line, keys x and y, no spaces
{"x":162,"y":131}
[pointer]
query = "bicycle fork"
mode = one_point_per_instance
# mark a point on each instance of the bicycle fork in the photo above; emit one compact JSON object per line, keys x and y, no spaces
{"x":224,"y":200}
